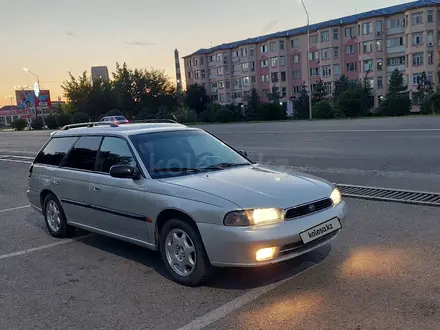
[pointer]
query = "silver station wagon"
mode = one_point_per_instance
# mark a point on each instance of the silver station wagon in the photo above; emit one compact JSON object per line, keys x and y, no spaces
{"x":183,"y":192}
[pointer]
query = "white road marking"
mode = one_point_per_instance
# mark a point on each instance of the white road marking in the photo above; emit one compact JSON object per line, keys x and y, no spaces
{"x":17,"y":156}
{"x":14,"y":208}
{"x":235,"y":304}
{"x":15,"y":161}
{"x":335,"y":131}
{"x":43,"y":247}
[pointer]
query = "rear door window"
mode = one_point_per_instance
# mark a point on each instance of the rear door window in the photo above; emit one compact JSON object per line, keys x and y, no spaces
{"x":114,"y":151}
{"x":55,"y":151}
{"x":83,"y":154}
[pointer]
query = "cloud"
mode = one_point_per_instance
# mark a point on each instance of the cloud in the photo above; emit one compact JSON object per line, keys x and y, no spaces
{"x":270,"y":26}
{"x":70,"y":34}
{"x":141,"y":43}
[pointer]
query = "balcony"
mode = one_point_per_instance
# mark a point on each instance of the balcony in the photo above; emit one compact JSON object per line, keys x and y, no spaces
{"x":397,"y":49}
{"x":400,"y":67}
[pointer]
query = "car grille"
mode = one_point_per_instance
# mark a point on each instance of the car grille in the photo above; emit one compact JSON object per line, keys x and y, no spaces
{"x":309,"y":208}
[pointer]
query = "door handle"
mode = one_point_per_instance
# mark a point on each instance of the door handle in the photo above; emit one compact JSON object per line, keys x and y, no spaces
{"x":56,"y":181}
{"x":96,"y":189}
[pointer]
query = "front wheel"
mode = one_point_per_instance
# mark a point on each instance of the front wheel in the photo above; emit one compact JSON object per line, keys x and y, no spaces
{"x":183,"y":253}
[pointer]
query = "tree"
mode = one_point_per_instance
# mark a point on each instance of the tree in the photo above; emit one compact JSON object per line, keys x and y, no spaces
{"x":319,"y":93}
{"x":253,"y":107}
{"x":323,"y":109}
{"x":341,"y":85}
{"x":301,"y":104}
{"x":424,"y":90}
{"x":196,"y":98}
{"x":351,"y":103}
{"x":397,"y":101}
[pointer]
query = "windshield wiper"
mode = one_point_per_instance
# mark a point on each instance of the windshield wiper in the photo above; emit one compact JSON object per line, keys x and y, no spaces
{"x":176,"y":169}
{"x":224,"y":165}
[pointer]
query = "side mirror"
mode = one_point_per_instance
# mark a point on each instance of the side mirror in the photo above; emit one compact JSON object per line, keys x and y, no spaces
{"x":124,"y":172}
{"x":243,"y":152}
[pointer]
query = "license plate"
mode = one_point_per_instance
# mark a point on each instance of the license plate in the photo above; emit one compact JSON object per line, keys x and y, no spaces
{"x":320,"y":230}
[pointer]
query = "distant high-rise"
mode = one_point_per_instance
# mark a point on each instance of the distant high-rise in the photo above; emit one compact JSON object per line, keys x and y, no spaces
{"x":100,"y":72}
{"x":178,"y":75}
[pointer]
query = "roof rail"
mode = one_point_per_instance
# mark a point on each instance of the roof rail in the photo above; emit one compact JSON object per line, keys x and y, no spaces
{"x":140,"y":121}
{"x":89,"y":124}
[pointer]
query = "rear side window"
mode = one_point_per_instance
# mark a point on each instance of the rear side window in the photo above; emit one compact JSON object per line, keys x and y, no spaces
{"x":55,"y":151}
{"x":114,"y":151}
{"x":83,"y":154}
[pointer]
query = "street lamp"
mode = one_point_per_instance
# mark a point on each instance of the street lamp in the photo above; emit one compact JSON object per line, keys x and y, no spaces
{"x":308,"y":59}
{"x":38,"y":87}
{"x":10,"y":97}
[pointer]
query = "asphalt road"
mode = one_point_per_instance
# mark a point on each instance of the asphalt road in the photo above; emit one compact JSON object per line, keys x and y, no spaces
{"x":381,"y":272}
{"x":385,"y":152}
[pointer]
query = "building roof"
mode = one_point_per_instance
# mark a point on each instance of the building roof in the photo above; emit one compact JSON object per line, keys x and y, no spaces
{"x":322,"y":25}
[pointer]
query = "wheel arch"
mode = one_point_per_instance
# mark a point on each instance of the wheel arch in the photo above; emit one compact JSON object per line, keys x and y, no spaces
{"x":168,"y":214}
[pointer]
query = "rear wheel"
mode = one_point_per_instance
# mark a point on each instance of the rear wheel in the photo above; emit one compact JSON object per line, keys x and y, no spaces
{"x":183,"y":253}
{"x":55,"y":218}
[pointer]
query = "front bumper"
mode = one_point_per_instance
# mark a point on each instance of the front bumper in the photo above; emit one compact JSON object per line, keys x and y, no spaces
{"x":237,"y":247}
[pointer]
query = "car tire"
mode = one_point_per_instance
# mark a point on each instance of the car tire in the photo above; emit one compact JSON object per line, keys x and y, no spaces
{"x":55,"y":218}
{"x":202,"y":270}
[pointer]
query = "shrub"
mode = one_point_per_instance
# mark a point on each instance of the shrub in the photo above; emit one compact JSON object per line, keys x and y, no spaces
{"x":396,"y":105}
{"x":323,"y":110}
{"x":114,"y":112}
{"x":63,"y":119}
{"x":185,"y":115}
{"x":272,"y":111}
{"x":224,"y":115}
{"x":19,"y":124}
{"x":51,"y":122}
{"x":37,"y":123}
{"x":80,"y":117}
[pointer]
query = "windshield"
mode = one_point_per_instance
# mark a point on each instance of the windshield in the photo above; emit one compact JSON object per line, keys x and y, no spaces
{"x":178,"y":153}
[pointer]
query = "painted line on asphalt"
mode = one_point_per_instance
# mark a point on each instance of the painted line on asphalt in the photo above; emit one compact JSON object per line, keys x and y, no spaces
{"x":15,"y":161}
{"x":235,"y":304}
{"x":43,"y":247}
{"x":14,"y":208}
{"x":335,"y":131}
{"x":17,"y":156}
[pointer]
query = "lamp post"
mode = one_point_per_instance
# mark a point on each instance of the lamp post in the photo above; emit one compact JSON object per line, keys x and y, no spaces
{"x":38,"y":96}
{"x":10,"y":97}
{"x":308,"y":59}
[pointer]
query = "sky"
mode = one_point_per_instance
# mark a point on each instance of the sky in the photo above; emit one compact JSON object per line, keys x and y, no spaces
{"x":53,"y":37}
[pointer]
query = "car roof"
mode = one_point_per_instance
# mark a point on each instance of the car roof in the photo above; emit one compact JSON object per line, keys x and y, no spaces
{"x":123,"y":130}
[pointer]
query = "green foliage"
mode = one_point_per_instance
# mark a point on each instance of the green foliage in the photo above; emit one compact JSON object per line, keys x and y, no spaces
{"x":423,"y":93}
{"x":37,"y":123}
{"x":397,"y":101}
{"x":19,"y":124}
{"x":253,"y":107}
{"x":341,"y":85}
{"x":323,"y":110}
{"x":352,"y":102}
{"x":51,"y":122}
{"x":301,"y":104}
{"x":396,"y":83}
{"x":320,"y":92}
{"x":196,"y":98}
{"x":431,"y":104}
{"x":63,"y":119}
{"x":80,"y":117}
{"x":114,"y":112}
{"x":272,"y":111}
{"x":185,"y":115}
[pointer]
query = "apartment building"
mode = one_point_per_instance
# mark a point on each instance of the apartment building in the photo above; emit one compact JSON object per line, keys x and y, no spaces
{"x":367,"y":45}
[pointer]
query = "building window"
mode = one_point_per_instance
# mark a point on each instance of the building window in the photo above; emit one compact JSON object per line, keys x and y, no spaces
{"x":379,"y":45}
{"x":220,"y":70}
{"x":417,"y":38}
{"x":337,"y":69}
{"x":335,"y":34}
{"x":296,"y":74}
{"x":273,"y":46}
{"x":294,"y":43}
{"x":336,"y":52}
{"x":326,"y":70}
{"x":245,"y":81}
{"x":379,"y":27}
{"x":265,"y":78}
{"x":417,"y":58}
{"x":203,"y":74}
{"x":274,"y":77}
{"x":368,"y":65}
{"x":367,"y":28}
{"x":313,"y":56}
{"x":325,"y":36}
{"x":314,"y":72}
{"x":351,"y":67}
{"x":416,"y":78}
{"x":237,"y":83}
{"x":379,"y":64}
{"x":283,"y":92}
{"x":430,"y":57}
{"x":295,"y":58}
{"x":325,"y":53}
{"x":273,"y":61}
{"x":314,"y":40}
{"x":221,"y":84}
{"x":265,"y":92}
{"x":350,"y":32}
{"x":379,"y":82}
{"x":349,"y":50}
{"x":244,"y":52}
{"x":430,"y":38}
{"x":396,"y":60}
{"x":430,"y":16}
{"x":245,"y":66}
{"x":251,"y":51}
{"x":264,"y":63}
{"x":263,"y":49}
{"x":296,"y":89}
{"x":395,"y":42}
{"x":417,"y":18}
{"x":281,"y":44}
{"x":227,"y":84}
{"x":368,"y":46}
{"x":282,"y":61}
{"x":253,"y":79}
{"x":283,"y":76}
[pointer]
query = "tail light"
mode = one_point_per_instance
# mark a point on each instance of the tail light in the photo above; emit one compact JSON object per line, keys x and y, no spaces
{"x":30,"y":170}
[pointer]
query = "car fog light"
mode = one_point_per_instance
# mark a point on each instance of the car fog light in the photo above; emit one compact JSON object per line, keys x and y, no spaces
{"x":265,"y":254}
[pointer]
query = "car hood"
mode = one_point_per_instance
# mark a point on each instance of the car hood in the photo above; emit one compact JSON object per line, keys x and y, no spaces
{"x":256,"y":186}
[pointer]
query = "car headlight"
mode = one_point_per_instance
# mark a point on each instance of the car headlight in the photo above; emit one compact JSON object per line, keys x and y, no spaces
{"x":336,"y":196}
{"x":254,"y":217}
